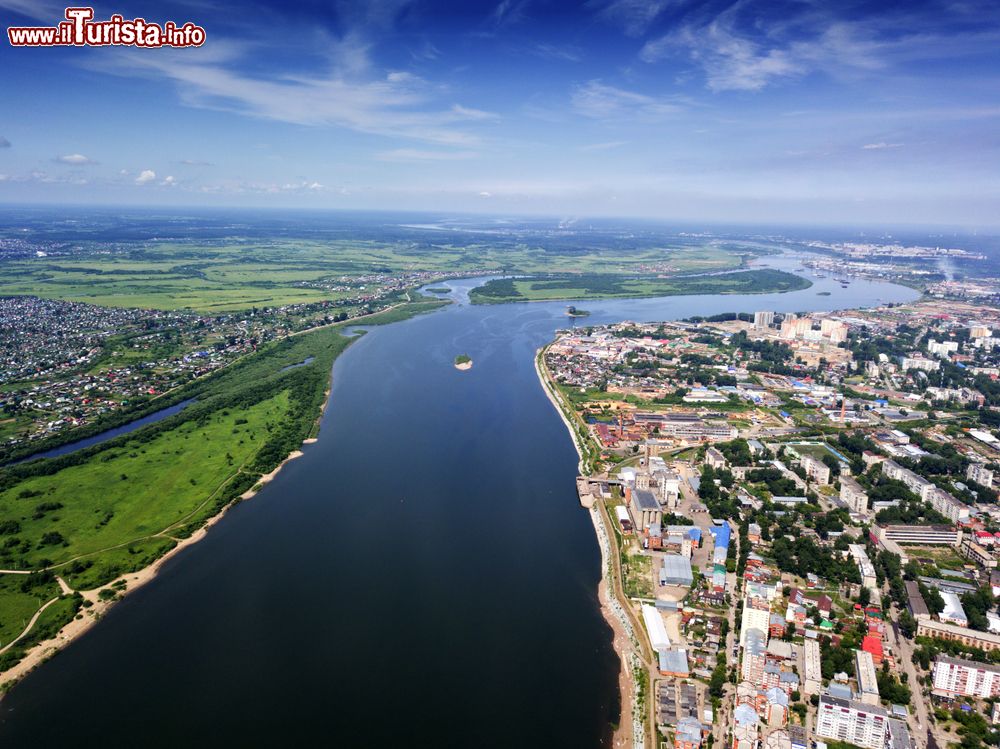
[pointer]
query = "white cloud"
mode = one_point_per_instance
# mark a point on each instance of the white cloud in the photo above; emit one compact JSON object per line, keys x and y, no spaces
{"x":415,"y":154}
{"x":395,"y":103}
{"x":634,"y":16}
{"x":738,"y":52}
{"x":604,"y":146}
{"x":168,"y":181}
{"x":730,"y":62}
{"x":600,"y":101}
{"x":37,"y":9}
{"x":557,"y":52}
{"x":880,"y":145}
{"x":75,"y":159}
{"x":508,"y":12}
{"x":145,"y":176}
{"x":485,"y":194}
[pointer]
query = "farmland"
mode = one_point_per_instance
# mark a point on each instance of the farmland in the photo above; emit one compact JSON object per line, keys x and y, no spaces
{"x":224,"y":276}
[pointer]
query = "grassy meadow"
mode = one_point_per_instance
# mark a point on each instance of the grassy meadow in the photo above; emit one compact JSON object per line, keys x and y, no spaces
{"x":594,"y":286}
{"x":223,"y":277}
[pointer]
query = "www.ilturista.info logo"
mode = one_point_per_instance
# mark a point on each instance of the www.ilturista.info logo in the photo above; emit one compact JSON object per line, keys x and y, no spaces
{"x":81,"y":30}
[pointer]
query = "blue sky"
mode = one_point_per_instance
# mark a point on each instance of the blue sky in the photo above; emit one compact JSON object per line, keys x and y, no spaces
{"x":797,"y":111}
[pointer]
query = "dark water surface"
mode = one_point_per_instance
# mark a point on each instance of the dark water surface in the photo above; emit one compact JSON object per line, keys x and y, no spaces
{"x":423,"y":576}
{"x":72,"y":447}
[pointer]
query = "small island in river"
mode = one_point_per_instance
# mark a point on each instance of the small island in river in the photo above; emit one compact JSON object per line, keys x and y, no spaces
{"x":463,"y":362}
{"x":572,"y":311}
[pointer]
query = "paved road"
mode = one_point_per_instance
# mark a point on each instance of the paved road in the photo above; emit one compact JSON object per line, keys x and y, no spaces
{"x":920,"y":725}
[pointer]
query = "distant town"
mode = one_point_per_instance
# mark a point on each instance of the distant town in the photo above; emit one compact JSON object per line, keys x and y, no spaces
{"x":67,"y":364}
{"x":800,"y":522}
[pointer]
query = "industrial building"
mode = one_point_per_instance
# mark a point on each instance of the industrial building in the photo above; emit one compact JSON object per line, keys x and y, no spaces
{"x":674,"y":663}
{"x":953,"y":612}
{"x":654,"y":627}
{"x":921,"y":535}
{"x":676,"y":570}
{"x":644,"y":507}
{"x":915,"y":602}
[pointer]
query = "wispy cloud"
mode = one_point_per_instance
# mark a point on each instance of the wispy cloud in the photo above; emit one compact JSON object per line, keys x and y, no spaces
{"x":75,"y":159}
{"x":557,"y":52}
{"x":741,"y":49}
{"x":414,"y":154}
{"x":508,"y":12}
{"x":634,"y":16}
{"x":601,"y":101}
{"x":4,"y":143}
{"x":40,"y":10}
{"x":604,"y":146}
{"x":393,"y":103}
{"x":729,"y":61}
{"x":880,"y":146}
{"x":194,"y":162}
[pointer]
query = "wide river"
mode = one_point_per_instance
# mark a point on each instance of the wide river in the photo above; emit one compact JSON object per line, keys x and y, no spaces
{"x":423,"y":576}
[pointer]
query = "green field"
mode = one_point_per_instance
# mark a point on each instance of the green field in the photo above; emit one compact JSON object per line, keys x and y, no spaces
{"x":116,"y":507}
{"x":221,"y":277}
{"x":133,"y":491}
{"x":590,"y":286}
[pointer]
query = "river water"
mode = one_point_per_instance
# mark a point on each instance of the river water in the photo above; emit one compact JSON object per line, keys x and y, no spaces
{"x":422,"y":576}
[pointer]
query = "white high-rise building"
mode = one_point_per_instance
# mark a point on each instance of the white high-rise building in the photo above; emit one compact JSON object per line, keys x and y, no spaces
{"x":852,"y":495}
{"x":854,"y":722}
{"x":960,"y":677}
{"x":980,"y":474}
{"x":756,"y":615}
{"x":763,"y":319}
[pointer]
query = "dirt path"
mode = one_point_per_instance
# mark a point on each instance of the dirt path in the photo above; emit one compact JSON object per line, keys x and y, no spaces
{"x":27,"y":629}
{"x":132,"y":580}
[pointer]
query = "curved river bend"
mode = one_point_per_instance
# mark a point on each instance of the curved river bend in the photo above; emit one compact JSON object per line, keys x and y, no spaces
{"x":422,"y":576}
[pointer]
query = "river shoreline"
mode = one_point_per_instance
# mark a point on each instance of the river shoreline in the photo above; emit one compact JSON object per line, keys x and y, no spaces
{"x":88,"y":617}
{"x":628,"y":733}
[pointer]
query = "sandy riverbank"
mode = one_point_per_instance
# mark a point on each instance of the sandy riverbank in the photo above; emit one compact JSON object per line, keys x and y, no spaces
{"x":629,"y":732}
{"x":88,"y":617}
